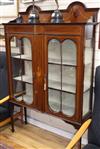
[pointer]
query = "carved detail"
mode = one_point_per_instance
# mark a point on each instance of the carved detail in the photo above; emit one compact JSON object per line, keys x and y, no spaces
{"x":75,"y":13}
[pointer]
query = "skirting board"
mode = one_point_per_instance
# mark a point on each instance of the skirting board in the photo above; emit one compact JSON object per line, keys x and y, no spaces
{"x":53,"y":129}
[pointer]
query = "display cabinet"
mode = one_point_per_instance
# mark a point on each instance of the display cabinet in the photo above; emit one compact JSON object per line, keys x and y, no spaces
{"x":55,"y":61}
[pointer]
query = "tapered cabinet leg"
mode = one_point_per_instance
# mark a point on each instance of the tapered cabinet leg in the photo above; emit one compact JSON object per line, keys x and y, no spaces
{"x":21,"y":110}
{"x":25,"y":113}
{"x":11,"y":115}
{"x":12,"y":124}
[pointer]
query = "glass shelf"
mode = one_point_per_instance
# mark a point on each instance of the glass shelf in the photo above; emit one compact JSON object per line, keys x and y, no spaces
{"x":23,"y":56}
{"x":24,"y":78}
{"x":69,"y":62}
{"x":54,"y":60}
{"x":19,"y":93}
{"x":64,"y":62}
{"x":65,"y":86}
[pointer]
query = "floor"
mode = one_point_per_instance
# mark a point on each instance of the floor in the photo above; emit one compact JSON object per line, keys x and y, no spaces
{"x":31,"y":137}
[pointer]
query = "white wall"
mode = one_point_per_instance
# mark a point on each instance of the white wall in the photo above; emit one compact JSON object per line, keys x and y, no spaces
{"x":8,"y":12}
{"x":50,"y":4}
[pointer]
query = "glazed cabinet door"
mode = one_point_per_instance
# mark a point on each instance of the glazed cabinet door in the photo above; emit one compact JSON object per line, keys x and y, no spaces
{"x":64,"y":76}
{"x":21,"y":69}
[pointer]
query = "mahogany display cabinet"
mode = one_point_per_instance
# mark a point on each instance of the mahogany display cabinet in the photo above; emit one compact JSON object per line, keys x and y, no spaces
{"x":56,"y":62}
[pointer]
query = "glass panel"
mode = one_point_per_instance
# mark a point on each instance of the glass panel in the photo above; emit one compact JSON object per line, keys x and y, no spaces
{"x":54,"y":54}
{"x":28,"y":97}
{"x":68,"y":103}
{"x":88,"y":32}
{"x":22,"y":49}
{"x":88,"y":65}
{"x":15,"y":49}
{"x":68,"y":85}
{"x":86,"y":99}
{"x":87,"y":76}
{"x":22,"y":69}
{"x":69,"y":79}
{"x":54,"y":76}
{"x":69,"y":52}
{"x":54,"y":100}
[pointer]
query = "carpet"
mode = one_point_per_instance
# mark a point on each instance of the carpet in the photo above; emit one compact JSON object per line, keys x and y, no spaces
{"x":4,"y":146}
